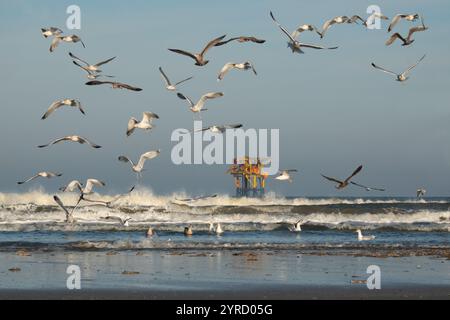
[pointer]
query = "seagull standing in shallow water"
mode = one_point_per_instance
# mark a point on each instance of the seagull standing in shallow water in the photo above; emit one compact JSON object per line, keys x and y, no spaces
{"x":364,"y":238}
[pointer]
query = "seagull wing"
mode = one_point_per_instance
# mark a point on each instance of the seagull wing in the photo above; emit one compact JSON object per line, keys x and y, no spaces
{"x":382,"y":69}
{"x":146,"y":156}
{"x":54,"y":142}
{"x":93,"y":145}
{"x":394,"y":21}
{"x":61,"y":205}
{"x":72,"y":186}
{"x":312,"y":46}
{"x":227,"y":67}
{"x":166,"y":79}
{"x":414,"y":65}
{"x":180,"y":82}
{"x":354,"y":173}
{"x":149,"y":116}
{"x":326,"y":26}
{"x":130,"y":128}
{"x":55,"y":105}
{"x":210,"y":95}
{"x":332,"y":179}
{"x":394,"y":37}
{"x":29,"y":179}
{"x":183,"y":97}
{"x":233,"y":126}
{"x":185,"y":53}
{"x":211,"y":44}
{"x":97,"y":82}
{"x":104,"y":62}
{"x":126,"y":160}
{"x":76,"y":58}
{"x":55,"y":42}
{"x":127,"y":86}
{"x":282,"y":28}
{"x":90,"y":183}
{"x":84,"y":68}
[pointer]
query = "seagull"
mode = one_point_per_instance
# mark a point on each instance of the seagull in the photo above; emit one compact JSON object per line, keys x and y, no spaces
{"x":65,"y":102}
{"x":408,"y":40}
{"x":46,"y":174}
{"x":285,"y":175}
{"x":197,"y":198}
{"x":329,"y":23}
{"x":122,"y":221}
{"x":169,"y":85}
{"x":109,"y":203}
{"x":58,"y":38}
{"x":296,"y":46}
{"x":220,"y":129}
{"x":241,"y":39}
{"x":92,"y":75}
{"x":198,"y":107}
{"x":420,"y":192}
{"x":218,"y":229}
{"x":240,"y":66}
{"x":398,"y":17}
{"x":69,"y":215}
{"x":76,"y":185}
{"x":402,"y":76}
{"x":296,"y":227}
{"x":145,"y":123}
{"x":188,"y":231}
{"x":212,"y":229}
{"x":150,"y":233}
{"x":345,"y":183}
{"x":90,"y":67}
{"x":114,"y":85}
{"x":140,"y":165}
{"x":303,"y":28}
{"x":50,"y":32}
{"x":199,"y":57}
{"x":364,"y":238}
{"x":77,"y":139}
{"x":367,"y":188}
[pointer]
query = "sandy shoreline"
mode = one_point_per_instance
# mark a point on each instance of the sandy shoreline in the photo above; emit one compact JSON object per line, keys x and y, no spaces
{"x":220,"y":274}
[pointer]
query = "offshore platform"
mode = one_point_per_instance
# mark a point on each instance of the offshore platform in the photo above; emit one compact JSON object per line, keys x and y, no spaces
{"x":249,"y":178}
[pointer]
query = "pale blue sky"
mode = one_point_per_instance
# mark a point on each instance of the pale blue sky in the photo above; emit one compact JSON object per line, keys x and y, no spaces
{"x":333,"y":110}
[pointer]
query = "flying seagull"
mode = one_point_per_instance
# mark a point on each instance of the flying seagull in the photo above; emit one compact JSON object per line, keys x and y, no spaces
{"x":398,"y":17}
{"x":77,"y":139}
{"x":198,"y":107}
{"x":329,"y":23}
{"x":120,"y":220}
{"x":295,"y":45}
{"x":239,"y":66}
{"x":285,"y":175}
{"x":75,"y":185}
{"x":345,"y":183}
{"x":420,"y":192}
{"x":169,"y":85}
{"x":220,"y":129}
{"x":47,"y":175}
{"x":241,"y":39}
{"x":69,"y":215}
{"x":50,"y":32}
{"x":409,"y":40}
{"x":371,"y":19}
{"x":367,"y":188}
{"x":65,"y":102}
{"x":90,"y":67}
{"x":114,"y":85}
{"x":58,"y":38}
{"x":109,"y":203}
{"x":197,"y":198}
{"x":364,"y":238}
{"x":140,"y":165}
{"x":402,"y":76}
{"x":199,"y":57}
{"x":92,"y":75}
{"x":145,"y":123}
